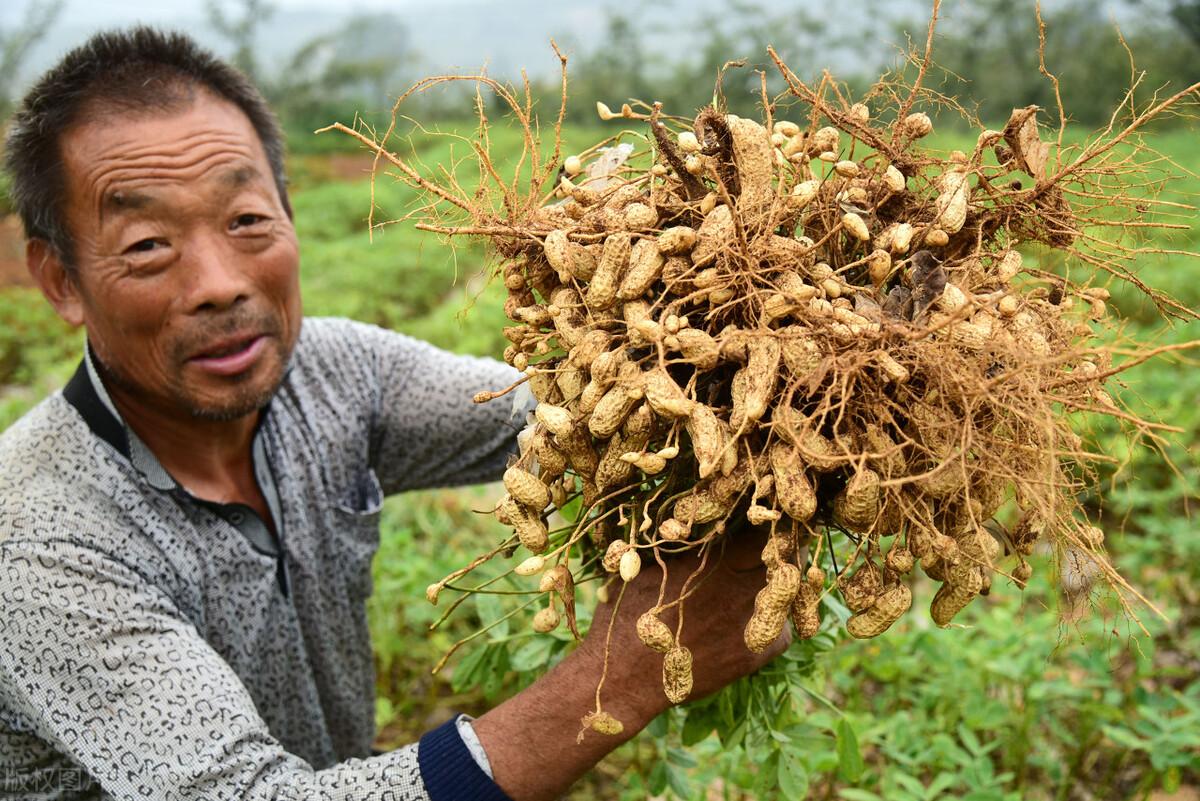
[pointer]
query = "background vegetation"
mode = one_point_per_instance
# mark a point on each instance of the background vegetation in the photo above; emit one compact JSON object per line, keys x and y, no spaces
{"x":1048,"y":694}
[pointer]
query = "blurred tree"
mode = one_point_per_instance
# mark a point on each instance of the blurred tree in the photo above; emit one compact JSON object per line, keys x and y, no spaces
{"x":614,"y":66}
{"x":240,"y":28}
{"x":807,"y":41}
{"x":621,"y":62}
{"x":15,"y":44}
{"x":1185,"y":14}
{"x":988,"y":50}
{"x":337,"y":74}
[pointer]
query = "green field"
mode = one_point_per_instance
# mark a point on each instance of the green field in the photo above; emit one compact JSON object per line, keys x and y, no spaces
{"x":1035,"y":696}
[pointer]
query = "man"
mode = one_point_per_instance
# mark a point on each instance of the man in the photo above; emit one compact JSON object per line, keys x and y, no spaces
{"x":186,"y":530}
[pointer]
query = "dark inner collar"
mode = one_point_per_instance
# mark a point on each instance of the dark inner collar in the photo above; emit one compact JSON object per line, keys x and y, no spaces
{"x":80,"y":393}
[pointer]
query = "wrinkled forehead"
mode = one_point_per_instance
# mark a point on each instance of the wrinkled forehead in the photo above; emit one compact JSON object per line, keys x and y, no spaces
{"x":108,"y":156}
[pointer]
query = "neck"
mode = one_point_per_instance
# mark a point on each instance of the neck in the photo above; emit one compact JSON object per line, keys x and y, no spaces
{"x":211,"y":458}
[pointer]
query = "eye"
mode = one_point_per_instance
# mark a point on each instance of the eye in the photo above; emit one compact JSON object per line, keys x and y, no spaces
{"x":143,"y":246}
{"x":246,"y":220}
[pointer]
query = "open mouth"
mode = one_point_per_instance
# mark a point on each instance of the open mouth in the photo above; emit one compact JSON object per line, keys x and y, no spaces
{"x":227,"y":351}
{"x":232,"y":357}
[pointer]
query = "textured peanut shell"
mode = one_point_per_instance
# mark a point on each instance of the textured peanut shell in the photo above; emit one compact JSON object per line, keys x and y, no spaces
{"x":645,"y":266}
{"x":577,"y":447}
{"x":793,"y":490}
{"x":764,"y":627}
{"x":655,"y":634}
{"x":571,"y":382}
{"x":530,"y":529}
{"x":526,"y":488}
{"x":855,"y":226}
{"x":699,"y":348}
{"x":613,"y":471}
{"x":673,"y":530}
{"x":602,"y":723}
{"x":708,"y":439}
{"x":551,"y":461}
{"x":857,"y":505}
{"x":951,"y":599}
{"x":557,"y":249}
{"x":899,"y":560}
{"x":546,"y":620}
{"x":665,"y":396}
{"x":611,"y":560}
{"x":544,"y":386}
{"x":676,"y":240}
{"x":801,"y":353}
{"x":762,"y":363}
{"x":754,"y":158}
{"x":861,"y":588}
{"x":805,"y":612}
{"x":677,"y":674}
{"x":888,"y":459}
{"x":806,"y":621}
{"x":716,"y":233}
{"x":952,"y":202}
{"x":886,"y":610}
{"x":602,"y":290}
{"x":612,"y":410}
{"x":702,"y":506}
{"x":556,"y":419}
{"x":782,"y":586}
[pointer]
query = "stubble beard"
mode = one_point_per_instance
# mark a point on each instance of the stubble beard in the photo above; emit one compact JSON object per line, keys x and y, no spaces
{"x":250,"y":394}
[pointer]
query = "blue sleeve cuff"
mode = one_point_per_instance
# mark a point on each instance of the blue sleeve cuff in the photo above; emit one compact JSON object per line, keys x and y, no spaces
{"x":448,"y":770}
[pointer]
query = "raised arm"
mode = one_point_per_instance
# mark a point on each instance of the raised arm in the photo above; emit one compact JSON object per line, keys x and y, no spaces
{"x":427,"y":431}
{"x":531,"y":738}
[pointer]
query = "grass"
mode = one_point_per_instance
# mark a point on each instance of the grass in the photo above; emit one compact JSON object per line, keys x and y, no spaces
{"x":1030,"y":699}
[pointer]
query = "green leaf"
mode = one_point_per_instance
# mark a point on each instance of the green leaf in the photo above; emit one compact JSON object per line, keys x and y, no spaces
{"x":850,"y":794}
{"x":657,"y":780}
{"x":943,"y":781}
{"x":1172,"y":780}
{"x":533,"y":654}
{"x":850,"y":761}
{"x":681,"y":758}
{"x":678,"y":782}
{"x":469,"y":670}
{"x":969,"y":739}
{"x":793,"y":776}
{"x":659,"y":727}
{"x":494,"y":680}
{"x":1124,"y":737}
{"x":490,"y":610}
{"x":699,"y":724}
{"x":768,"y":777}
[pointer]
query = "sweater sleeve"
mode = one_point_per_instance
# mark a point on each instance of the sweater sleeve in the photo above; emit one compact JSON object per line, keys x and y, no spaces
{"x":101,"y":666}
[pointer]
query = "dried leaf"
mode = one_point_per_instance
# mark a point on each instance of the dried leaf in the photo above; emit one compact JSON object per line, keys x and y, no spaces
{"x":1021,"y":134}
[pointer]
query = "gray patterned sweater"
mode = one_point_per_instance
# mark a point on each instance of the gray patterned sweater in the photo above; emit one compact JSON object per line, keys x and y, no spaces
{"x":154,"y":646}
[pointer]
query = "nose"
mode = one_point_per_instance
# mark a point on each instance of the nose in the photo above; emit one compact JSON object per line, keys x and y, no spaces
{"x":217,"y":275}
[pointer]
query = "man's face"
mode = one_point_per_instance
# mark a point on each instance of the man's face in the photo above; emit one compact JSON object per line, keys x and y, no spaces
{"x":187,"y":263}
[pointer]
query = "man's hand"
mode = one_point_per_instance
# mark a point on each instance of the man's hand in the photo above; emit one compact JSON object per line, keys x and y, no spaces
{"x":531,"y":738}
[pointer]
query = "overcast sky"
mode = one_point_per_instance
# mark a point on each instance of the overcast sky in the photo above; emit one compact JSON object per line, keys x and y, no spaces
{"x":115,"y":12}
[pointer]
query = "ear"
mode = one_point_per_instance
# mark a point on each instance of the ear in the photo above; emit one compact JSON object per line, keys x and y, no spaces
{"x":55,"y":281}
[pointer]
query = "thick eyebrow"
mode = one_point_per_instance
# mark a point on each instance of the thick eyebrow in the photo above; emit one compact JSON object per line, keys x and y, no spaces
{"x":239,"y":177}
{"x":127,"y":200}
